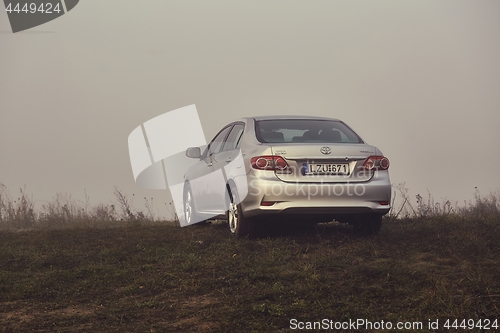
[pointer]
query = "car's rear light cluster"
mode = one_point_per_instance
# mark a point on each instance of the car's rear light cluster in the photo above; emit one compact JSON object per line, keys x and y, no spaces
{"x":376,"y":163}
{"x":275,"y":163}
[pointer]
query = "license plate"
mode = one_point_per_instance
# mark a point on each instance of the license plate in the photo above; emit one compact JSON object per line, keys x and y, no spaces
{"x":326,"y":169}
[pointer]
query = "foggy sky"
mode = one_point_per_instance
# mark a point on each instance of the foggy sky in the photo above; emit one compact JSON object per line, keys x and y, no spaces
{"x":418,"y":79}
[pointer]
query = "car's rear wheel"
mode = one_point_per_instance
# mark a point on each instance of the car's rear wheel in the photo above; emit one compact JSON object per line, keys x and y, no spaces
{"x":367,"y":225}
{"x":239,"y":225}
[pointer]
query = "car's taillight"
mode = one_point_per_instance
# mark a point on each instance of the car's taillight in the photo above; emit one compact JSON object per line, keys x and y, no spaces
{"x":376,"y":163}
{"x":276,"y":163}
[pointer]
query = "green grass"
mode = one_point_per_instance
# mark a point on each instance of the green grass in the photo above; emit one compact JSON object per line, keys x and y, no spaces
{"x":162,"y":278}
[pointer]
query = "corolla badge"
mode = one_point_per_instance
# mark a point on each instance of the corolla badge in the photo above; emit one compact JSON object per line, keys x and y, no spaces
{"x":326,"y":150}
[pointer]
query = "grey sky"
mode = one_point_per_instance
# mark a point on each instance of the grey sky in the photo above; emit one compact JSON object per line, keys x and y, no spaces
{"x":419,"y":79}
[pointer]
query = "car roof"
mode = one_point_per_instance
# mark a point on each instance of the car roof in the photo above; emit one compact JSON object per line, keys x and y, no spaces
{"x":289,"y":117}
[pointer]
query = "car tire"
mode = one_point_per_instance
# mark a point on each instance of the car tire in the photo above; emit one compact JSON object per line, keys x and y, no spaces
{"x":367,"y":225}
{"x":189,"y":207}
{"x":239,"y":226}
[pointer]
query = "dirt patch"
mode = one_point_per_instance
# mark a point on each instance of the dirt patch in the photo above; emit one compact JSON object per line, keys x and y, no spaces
{"x":17,"y":315}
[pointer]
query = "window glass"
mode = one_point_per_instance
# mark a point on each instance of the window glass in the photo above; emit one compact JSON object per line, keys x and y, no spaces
{"x":217,"y":142}
{"x":233,"y":140}
{"x":305,"y":131}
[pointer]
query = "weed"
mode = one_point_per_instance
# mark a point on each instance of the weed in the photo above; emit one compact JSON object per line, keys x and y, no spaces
{"x":65,"y":212}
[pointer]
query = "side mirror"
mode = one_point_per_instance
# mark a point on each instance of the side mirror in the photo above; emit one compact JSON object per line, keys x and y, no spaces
{"x":193,"y":152}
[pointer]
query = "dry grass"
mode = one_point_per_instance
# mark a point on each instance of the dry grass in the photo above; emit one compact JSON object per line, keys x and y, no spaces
{"x":65,"y":212}
{"x":145,"y":277}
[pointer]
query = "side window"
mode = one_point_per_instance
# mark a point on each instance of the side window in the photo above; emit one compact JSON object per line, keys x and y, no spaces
{"x":217,"y":142}
{"x":233,"y":140}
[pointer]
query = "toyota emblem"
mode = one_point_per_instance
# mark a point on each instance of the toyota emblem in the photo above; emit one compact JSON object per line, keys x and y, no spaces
{"x":325,"y":150}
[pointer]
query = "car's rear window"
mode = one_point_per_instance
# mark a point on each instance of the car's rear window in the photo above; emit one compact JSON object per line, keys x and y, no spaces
{"x":304,"y":131}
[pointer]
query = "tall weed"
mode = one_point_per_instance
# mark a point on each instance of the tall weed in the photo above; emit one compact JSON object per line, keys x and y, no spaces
{"x":64,"y":211}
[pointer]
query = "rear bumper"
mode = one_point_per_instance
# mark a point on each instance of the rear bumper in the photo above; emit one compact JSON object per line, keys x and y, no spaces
{"x":270,"y":196}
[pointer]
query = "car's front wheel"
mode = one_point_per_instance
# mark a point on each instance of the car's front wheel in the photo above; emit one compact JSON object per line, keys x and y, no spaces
{"x":190,"y":215}
{"x":239,"y":225}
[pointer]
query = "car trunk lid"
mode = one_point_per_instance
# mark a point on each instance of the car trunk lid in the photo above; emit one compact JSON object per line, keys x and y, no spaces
{"x":324,"y":163}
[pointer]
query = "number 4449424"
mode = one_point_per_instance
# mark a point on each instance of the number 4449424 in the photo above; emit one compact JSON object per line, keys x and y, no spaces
{"x":485,"y":324}
{"x":32,"y":8}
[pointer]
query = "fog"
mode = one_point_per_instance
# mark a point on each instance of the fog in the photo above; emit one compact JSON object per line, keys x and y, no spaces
{"x":418,"y":79}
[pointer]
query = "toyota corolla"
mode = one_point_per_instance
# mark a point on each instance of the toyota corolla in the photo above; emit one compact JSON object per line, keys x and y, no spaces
{"x":287,"y":168}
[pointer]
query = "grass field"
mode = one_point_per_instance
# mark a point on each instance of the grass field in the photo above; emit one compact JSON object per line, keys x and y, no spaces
{"x":156,"y":277}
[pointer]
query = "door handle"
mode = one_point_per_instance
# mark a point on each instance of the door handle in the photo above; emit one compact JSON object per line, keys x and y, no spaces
{"x":210,"y":164}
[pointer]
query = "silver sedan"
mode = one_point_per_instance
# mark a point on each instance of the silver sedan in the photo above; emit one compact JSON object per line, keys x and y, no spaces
{"x":312,"y":169}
